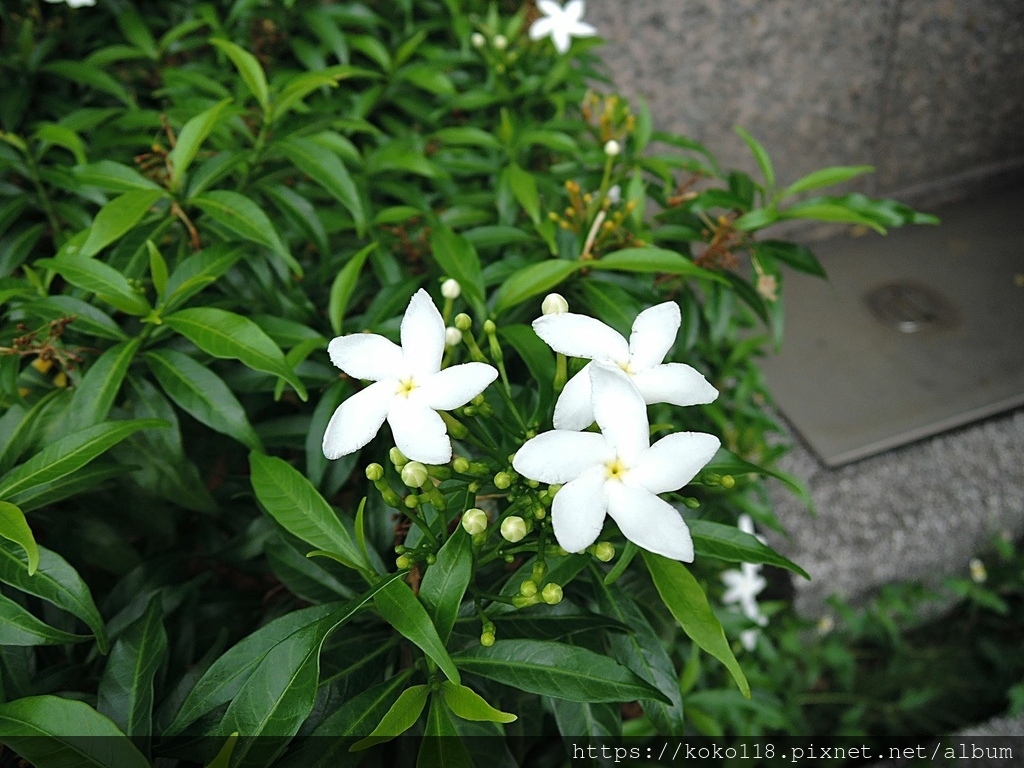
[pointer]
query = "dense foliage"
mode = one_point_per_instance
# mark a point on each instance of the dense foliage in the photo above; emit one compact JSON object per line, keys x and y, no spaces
{"x":192,"y":203}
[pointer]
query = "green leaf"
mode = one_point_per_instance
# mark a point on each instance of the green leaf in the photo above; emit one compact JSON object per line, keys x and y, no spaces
{"x":343,"y":286}
{"x":726,"y":542}
{"x":401,"y":717}
{"x":400,"y":608}
{"x":117,"y":217}
{"x":241,"y":216}
{"x":126,"y":689}
{"x":524,"y":187}
{"x":157,"y":268}
{"x":112,"y":177}
{"x":19,"y":627}
{"x":56,"y":582}
{"x":763,"y":161}
{"x":202,"y":394}
{"x":106,"y":282}
{"x":446,"y":581}
{"x":467,"y":136}
{"x":70,"y":453}
{"x":686,"y":601}
{"x":797,"y":256}
{"x":227,"y":335}
{"x":91,"y":75}
{"x":826,"y":177}
{"x":533,"y":280}
{"x":300,"y":86}
{"x":457,"y":258}
{"x":191,"y":138}
{"x":831,"y":212}
{"x":136,"y":32}
{"x":725,"y":462}
{"x":469,"y":705}
{"x":223,"y":758}
{"x":327,"y":170}
{"x":249,"y":68}
{"x":89,"y":320}
{"x":62,"y":136}
{"x":441,"y":744}
{"x":557,"y":670}
{"x":197,"y":272}
{"x":95,"y":394}
{"x":294,"y":503}
{"x":37,"y":728}
{"x":656,"y":260}
{"x":14,"y":527}
{"x":279,"y":694}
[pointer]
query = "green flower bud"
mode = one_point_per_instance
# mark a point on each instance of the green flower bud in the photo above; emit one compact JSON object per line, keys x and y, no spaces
{"x":502,"y":480}
{"x":412,"y":501}
{"x":474,"y":521}
{"x":403,"y":562}
{"x":553,"y":489}
{"x":604,"y":552}
{"x":489,"y":327}
{"x":728,"y":481}
{"x":414,"y":474}
{"x":461,"y":465}
{"x":374,"y":472}
{"x":691,"y":502}
{"x":528,"y":588}
{"x":397,"y":458}
{"x":463,"y":322}
{"x":554,"y":304}
{"x":431,"y":559}
{"x":487,"y":639}
{"x":552,"y":594}
{"x":539,"y":513}
{"x":514,"y":529}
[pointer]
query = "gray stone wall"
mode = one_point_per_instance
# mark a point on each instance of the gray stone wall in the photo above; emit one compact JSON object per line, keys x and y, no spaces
{"x":930,"y":92}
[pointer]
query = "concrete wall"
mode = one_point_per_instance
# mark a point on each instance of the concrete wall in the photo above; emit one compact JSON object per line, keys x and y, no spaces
{"x":930,"y":92}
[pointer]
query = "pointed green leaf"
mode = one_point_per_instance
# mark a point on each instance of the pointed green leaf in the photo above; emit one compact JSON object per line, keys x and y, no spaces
{"x":400,"y":608}
{"x":446,"y":581}
{"x":686,"y":601}
{"x":327,"y":170}
{"x":112,"y":177}
{"x":106,"y":282}
{"x":826,"y":177}
{"x":441,"y":745}
{"x":127,"y":687}
{"x":294,"y":503}
{"x":223,"y":758}
{"x":401,"y":717}
{"x":14,"y":527}
{"x":95,"y":394}
{"x":726,"y":542}
{"x":69,"y":453}
{"x":202,"y":394}
{"x":249,"y":68}
{"x":197,"y":272}
{"x":191,"y":138}
{"x":458,"y":259}
{"x":831,"y":212}
{"x":470,"y":705}
{"x":117,"y":217}
{"x":533,"y":280}
{"x":557,"y":670}
{"x":89,"y":320}
{"x":157,"y":269}
{"x":225,"y":334}
{"x":37,"y":728}
{"x":19,"y":627}
{"x":54,"y":581}
{"x":656,"y":260}
{"x":763,"y":161}
{"x":91,"y":75}
{"x":244,"y":218}
{"x":343,"y":286}
{"x":524,"y":187}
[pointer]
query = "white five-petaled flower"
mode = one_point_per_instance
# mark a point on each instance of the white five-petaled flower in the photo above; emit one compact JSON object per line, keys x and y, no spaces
{"x":654,"y":332}
{"x":742,"y":588}
{"x":617,"y":472}
{"x":74,"y":3}
{"x":409,"y":387}
{"x":560,"y":23}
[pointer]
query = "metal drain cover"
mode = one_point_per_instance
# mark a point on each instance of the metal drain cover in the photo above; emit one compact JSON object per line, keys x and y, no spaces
{"x":911,"y":307}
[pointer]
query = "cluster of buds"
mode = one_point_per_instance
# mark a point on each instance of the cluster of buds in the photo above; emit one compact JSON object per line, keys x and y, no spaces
{"x":609,"y":116}
{"x":724,"y":241}
{"x":603,"y":225}
{"x":494,"y":47}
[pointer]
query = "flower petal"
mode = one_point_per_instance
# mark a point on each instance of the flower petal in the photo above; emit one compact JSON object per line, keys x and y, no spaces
{"x":419,"y":432}
{"x":541,"y":28}
{"x":620,"y":412}
{"x":367,"y":356}
{"x":582,"y":336}
{"x":573,"y":10}
{"x":577,"y":513}
{"x":574,"y":409}
{"x":357,"y":420}
{"x":673,"y":461}
{"x":581,"y":29}
{"x":454,"y":386}
{"x":654,"y":333}
{"x":649,"y":522}
{"x":561,"y":456}
{"x":422,"y":335}
{"x":674,"y":383}
{"x":560,"y":37}
{"x":549,"y":7}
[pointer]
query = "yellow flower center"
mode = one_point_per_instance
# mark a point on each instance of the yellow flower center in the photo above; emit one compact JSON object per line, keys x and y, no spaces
{"x":405,"y":386}
{"x":627,"y":367}
{"x":616,"y":469}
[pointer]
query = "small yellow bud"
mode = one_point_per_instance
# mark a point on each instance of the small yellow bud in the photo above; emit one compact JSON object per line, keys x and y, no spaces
{"x":528,"y":588}
{"x":979,"y":574}
{"x":487,"y":639}
{"x":374,"y":472}
{"x":461,"y":465}
{"x":403,"y":562}
{"x":412,"y":501}
{"x":502,"y":480}
{"x":604,"y":552}
{"x":554,"y":304}
{"x":474,"y":521}
{"x":552,"y":594}
{"x":489,"y":327}
{"x":397,"y":458}
{"x":414,"y":474}
{"x":463,"y":322}
{"x":514,"y":529}
{"x":500,"y":42}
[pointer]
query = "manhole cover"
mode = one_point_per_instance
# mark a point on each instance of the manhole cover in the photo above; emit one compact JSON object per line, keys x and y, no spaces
{"x":911,"y":307}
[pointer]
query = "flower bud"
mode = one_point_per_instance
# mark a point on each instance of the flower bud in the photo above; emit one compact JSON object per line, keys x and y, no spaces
{"x":728,"y":481}
{"x":374,"y":472}
{"x":403,"y":562}
{"x":979,"y":575}
{"x":412,"y":501}
{"x":612,"y":148}
{"x":487,"y":639}
{"x":451,"y":289}
{"x":414,"y":474}
{"x":397,"y":458}
{"x":615,"y":194}
{"x":513,"y":529}
{"x":604,"y":552}
{"x":554,"y":304}
{"x":463,"y":322}
{"x":552,"y":594}
{"x":474,"y":521}
{"x":500,"y":42}
{"x":461,"y":465}
{"x":502,"y":480}
{"x":489,"y":327}
{"x":478,"y":40}
{"x":528,"y":588}
{"x":452,"y":336}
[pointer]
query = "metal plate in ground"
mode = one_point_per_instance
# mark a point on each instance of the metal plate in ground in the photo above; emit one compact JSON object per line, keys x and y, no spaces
{"x":914,"y":333}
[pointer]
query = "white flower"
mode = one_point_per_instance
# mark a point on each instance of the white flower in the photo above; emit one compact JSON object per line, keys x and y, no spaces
{"x":617,"y":472}
{"x":478,"y":40}
{"x":554,"y":304}
{"x":612,"y":148}
{"x":452,"y":336}
{"x":742,"y":588}
{"x":500,"y":42}
{"x":561,"y":24}
{"x":451,"y":289}
{"x":654,"y":331}
{"x":409,"y":387}
{"x":74,"y":3}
